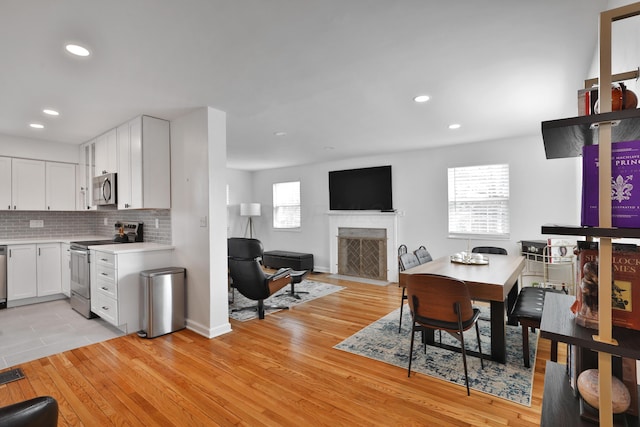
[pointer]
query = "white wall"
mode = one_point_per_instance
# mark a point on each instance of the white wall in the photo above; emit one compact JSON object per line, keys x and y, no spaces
{"x":13,"y":146}
{"x":192,"y":146}
{"x":240,"y":191}
{"x":542,"y":191}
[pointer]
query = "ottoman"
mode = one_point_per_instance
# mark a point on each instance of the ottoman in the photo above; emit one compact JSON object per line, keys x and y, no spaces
{"x":286,"y":259}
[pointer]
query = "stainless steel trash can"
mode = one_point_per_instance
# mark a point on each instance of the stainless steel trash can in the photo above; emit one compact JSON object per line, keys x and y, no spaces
{"x":164,"y":301}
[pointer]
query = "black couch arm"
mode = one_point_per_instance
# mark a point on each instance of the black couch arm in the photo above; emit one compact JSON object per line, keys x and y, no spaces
{"x":40,"y":411}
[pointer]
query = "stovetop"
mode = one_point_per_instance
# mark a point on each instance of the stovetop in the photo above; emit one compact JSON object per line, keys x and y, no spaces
{"x":87,"y":243}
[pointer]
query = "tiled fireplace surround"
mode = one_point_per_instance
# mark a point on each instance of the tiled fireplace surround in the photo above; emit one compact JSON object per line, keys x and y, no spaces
{"x":364,"y":219}
{"x":15,"y":224}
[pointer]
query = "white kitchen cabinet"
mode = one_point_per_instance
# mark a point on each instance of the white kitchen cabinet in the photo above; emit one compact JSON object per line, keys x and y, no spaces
{"x":116,"y":288}
{"x":33,"y":271}
{"x":144,"y":175}
{"x":87,"y":172}
{"x":49,"y":275}
{"x":28,"y":185}
{"x":106,"y":160}
{"x":5,"y":183}
{"x":124,"y":166}
{"x":21,"y":272}
{"x":60,"y":185}
{"x":65,"y":268}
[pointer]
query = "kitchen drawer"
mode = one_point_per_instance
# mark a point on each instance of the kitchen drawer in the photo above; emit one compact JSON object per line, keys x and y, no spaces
{"x":106,"y":259}
{"x":105,"y":273}
{"x":107,"y":309}
{"x":107,"y":287}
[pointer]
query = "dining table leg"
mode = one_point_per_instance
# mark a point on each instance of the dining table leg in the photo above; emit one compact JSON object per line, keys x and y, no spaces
{"x":498,"y":332}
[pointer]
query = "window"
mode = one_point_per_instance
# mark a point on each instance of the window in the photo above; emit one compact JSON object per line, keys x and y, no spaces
{"x":286,"y":205}
{"x":479,"y":201}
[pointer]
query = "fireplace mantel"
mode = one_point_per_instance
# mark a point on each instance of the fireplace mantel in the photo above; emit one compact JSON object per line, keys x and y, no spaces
{"x":365,"y":219}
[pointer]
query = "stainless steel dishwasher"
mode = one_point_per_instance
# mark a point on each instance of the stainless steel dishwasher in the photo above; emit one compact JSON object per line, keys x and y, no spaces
{"x":3,"y":277}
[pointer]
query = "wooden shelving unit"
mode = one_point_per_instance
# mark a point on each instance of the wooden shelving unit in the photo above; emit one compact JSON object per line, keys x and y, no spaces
{"x":575,"y":134}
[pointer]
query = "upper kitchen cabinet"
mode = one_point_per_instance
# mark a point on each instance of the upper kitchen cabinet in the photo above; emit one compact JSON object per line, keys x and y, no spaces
{"x":106,"y":158}
{"x":144,"y":178}
{"x":5,"y":183}
{"x":28,"y":185}
{"x":60,"y":186}
{"x":86,"y":174}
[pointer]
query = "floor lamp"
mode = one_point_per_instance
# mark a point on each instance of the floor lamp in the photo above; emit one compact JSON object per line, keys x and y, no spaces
{"x":250,"y":210}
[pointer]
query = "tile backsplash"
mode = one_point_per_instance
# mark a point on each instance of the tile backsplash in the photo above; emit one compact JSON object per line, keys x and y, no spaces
{"x":16,"y":224}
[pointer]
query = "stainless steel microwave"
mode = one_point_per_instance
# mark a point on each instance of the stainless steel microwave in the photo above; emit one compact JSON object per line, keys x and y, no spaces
{"x":105,"y":190}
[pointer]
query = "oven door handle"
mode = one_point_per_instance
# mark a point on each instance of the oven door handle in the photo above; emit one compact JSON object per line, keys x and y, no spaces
{"x":79,"y":252}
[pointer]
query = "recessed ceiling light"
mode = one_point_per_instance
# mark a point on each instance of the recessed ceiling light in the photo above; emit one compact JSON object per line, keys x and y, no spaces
{"x":329,"y":148}
{"x":279,"y":133}
{"x":454,"y":126}
{"x":77,"y":50}
{"x":36,"y":125}
{"x":422,"y":98}
{"x":50,"y":112}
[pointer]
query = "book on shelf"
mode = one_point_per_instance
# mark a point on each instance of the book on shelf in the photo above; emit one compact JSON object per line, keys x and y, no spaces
{"x":587,"y":99}
{"x":625,"y":289}
{"x":625,"y":185}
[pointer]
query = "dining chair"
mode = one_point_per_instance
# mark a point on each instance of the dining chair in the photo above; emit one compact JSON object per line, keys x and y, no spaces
{"x":442,"y":303}
{"x":423,"y":255}
{"x":406,"y":260}
{"x":496,"y":250}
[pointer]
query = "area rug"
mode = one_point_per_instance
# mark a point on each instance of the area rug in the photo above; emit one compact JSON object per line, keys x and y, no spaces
{"x":307,"y":290}
{"x":511,"y":381}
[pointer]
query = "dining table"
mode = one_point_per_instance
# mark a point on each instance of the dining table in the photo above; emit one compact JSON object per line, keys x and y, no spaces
{"x":495,"y":282}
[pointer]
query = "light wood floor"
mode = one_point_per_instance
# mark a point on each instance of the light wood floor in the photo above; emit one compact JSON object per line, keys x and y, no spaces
{"x":278,"y":371}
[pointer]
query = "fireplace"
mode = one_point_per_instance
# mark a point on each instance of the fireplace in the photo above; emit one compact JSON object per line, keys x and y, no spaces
{"x":362,"y":252}
{"x":363,"y":244}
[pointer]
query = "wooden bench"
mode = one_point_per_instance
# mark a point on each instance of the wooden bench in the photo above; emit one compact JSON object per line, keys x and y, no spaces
{"x":286,"y":259}
{"x":528,"y":311}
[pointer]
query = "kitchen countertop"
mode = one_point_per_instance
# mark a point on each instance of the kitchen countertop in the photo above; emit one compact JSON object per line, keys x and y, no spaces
{"x":69,"y":239}
{"x":114,"y":249}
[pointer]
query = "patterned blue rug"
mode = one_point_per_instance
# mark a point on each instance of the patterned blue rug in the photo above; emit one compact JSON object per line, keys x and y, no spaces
{"x":511,"y":381}
{"x":309,"y":290}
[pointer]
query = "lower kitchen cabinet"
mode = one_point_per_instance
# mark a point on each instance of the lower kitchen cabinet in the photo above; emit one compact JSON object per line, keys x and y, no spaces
{"x":22,"y":277}
{"x":65,"y":268}
{"x":33,"y":271}
{"x":116,"y":287}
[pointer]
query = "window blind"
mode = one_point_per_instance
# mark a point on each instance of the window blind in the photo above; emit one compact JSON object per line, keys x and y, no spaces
{"x":286,"y":204}
{"x":479,"y":201}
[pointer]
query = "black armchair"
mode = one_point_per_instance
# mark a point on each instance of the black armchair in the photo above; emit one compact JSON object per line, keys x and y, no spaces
{"x":249,"y":278}
{"x":40,"y":411}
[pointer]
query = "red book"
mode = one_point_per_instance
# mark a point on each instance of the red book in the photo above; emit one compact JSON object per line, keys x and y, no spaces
{"x":625,"y":289}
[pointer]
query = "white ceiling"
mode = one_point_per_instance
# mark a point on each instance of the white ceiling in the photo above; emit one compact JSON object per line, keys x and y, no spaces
{"x":338,"y":76}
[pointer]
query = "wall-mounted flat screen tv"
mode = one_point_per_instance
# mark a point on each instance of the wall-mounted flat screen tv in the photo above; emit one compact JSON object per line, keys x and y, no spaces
{"x":361,"y":189}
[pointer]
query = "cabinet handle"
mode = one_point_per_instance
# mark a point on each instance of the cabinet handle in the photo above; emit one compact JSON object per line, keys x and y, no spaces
{"x":48,"y":208}
{"x":9,"y":253}
{"x":104,"y":289}
{"x":104,"y":274}
{"x":104,"y":259}
{"x":105,"y":308}
{"x":14,"y":207}
{"x":38,"y":251}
